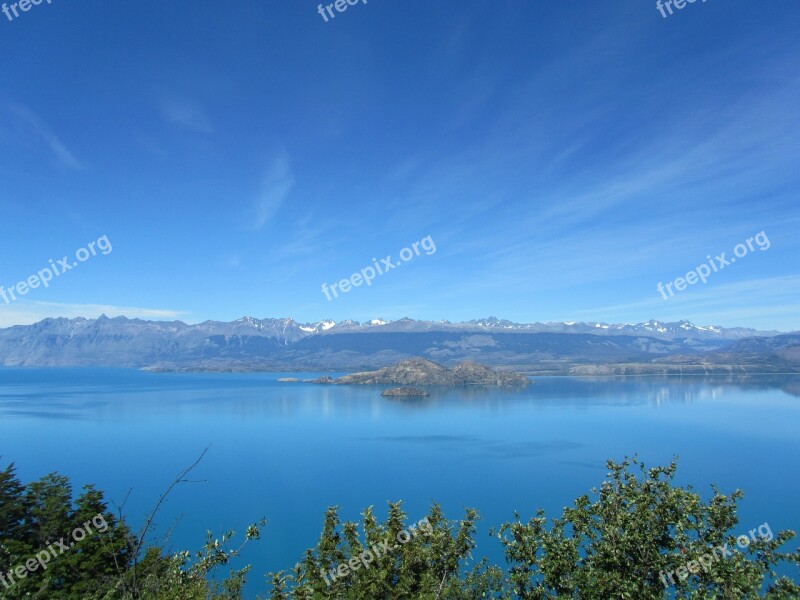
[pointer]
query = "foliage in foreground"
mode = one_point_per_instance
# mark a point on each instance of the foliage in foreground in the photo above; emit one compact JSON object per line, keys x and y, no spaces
{"x":619,"y":541}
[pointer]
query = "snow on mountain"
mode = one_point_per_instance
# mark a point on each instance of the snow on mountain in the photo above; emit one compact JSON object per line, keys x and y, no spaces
{"x":120,"y":341}
{"x":318,"y":326}
{"x":287,"y":328}
{"x":287,"y":331}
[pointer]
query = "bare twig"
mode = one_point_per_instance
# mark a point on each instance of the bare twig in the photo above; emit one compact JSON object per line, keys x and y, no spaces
{"x":181,"y":478}
{"x":441,"y":585}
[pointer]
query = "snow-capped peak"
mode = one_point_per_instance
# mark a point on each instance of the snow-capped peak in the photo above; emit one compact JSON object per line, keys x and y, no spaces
{"x":317,"y":327}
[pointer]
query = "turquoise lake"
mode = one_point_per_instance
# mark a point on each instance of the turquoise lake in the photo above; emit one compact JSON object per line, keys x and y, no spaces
{"x":287,"y":451}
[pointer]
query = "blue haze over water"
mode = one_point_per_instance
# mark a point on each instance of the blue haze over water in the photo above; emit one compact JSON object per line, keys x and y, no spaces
{"x":287,"y":451}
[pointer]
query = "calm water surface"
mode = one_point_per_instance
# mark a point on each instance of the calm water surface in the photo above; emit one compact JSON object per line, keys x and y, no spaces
{"x":287,"y":450}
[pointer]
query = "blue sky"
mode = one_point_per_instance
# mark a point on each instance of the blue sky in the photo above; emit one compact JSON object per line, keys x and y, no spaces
{"x":564,"y":158}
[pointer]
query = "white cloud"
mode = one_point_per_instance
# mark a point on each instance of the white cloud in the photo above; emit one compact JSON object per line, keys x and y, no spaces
{"x":185,"y":114}
{"x":277,"y":184}
{"x":37,"y":125}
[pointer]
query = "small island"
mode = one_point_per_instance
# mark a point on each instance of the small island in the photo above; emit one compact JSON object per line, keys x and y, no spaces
{"x":423,"y":372}
{"x":405,"y":391}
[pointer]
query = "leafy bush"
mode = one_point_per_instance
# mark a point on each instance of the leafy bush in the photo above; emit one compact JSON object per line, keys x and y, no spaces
{"x":625,"y":540}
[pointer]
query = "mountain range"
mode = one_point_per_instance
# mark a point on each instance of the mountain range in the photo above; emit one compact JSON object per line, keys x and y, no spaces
{"x":286,"y":345}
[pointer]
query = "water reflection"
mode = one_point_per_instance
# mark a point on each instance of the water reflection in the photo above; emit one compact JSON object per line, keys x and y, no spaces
{"x":119,"y":393}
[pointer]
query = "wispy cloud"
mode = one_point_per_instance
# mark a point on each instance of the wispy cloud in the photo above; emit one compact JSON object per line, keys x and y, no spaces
{"x":666,"y":196}
{"x":34,"y":124}
{"x":185,"y":114}
{"x":150,"y":144}
{"x":26,"y":313}
{"x":749,"y":303}
{"x":277,"y":183}
{"x":310,"y":236}
{"x":234,"y":262}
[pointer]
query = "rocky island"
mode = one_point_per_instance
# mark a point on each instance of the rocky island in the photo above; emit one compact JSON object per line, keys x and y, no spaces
{"x":419,"y":371}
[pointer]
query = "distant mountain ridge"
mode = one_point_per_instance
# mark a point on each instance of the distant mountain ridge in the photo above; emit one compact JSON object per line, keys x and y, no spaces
{"x":667,"y":330}
{"x":290,"y":330}
{"x":284,"y":344}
